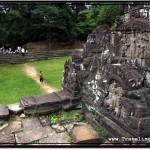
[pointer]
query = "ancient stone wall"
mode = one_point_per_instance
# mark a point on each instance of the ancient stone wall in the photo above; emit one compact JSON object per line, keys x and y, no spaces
{"x":112,"y":76}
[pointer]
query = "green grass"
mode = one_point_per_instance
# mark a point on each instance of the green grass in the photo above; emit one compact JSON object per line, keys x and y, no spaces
{"x":14,"y":83}
{"x":66,"y":115}
{"x":52,"y":70}
{"x":62,"y":115}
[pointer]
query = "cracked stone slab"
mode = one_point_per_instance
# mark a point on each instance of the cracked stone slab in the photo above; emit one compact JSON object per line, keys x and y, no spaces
{"x":7,"y":139}
{"x":34,"y":135}
{"x":13,"y":127}
{"x":4,"y":112}
{"x":31,"y":123}
{"x":15,"y":108}
{"x":84,"y":134}
{"x":59,"y":138}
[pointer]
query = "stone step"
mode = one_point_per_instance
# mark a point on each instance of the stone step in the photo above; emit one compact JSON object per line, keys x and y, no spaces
{"x":48,"y":103}
{"x":84,"y":134}
{"x":18,"y":58}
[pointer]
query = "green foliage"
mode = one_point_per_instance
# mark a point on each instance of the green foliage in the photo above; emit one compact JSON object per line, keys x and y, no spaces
{"x":66,"y":115}
{"x":62,"y":115}
{"x":108,"y":13}
{"x":101,"y":134}
{"x":24,"y":22}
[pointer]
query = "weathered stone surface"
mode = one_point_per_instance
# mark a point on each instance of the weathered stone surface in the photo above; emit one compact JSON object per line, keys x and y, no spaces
{"x":59,"y":138}
{"x":15,"y":108}
{"x":48,"y":103}
{"x":58,"y":128}
{"x":4,"y":112}
{"x":47,"y":98}
{"x":68,"y":127}
{"x":41,"y":104}
{"x":13,"y":127}
{"x":7,"y":139}
{"x":34,"y":135}
{"x":45,"y":121}
{"x":84,"y":134}
{"x":26,"y":102}
{"x":3,"y":126}
{"x":31,"y":123}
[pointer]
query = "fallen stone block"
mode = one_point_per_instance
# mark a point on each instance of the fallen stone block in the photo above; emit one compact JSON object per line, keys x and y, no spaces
{"x":4,"y":112}
{"x":41,"y":104}
{"x":33,"y":135}
{"x":84,"y":134}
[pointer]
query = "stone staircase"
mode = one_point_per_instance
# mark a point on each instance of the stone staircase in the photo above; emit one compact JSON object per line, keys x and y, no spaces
{"x":33,"y":56}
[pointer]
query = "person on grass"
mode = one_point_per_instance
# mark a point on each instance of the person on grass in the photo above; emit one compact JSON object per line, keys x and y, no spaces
{"x":41,"y":77}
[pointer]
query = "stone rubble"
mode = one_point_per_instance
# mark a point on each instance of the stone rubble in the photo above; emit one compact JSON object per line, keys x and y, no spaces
{"x":34,"y":131}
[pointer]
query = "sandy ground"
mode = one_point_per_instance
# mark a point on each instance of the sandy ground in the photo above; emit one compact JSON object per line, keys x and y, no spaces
{"x":32,"y":73}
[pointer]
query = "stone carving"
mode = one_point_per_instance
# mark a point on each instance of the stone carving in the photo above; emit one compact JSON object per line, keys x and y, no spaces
{"x":113,"y":77}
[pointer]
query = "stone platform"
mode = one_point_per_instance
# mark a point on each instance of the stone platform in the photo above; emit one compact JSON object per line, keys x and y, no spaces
{"x":48,"y":103}
{"x":31,"y":131}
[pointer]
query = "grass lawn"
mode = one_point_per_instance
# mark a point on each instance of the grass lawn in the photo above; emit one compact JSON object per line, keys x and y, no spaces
{"x":14,"y":84}
{"x":52,"y":70}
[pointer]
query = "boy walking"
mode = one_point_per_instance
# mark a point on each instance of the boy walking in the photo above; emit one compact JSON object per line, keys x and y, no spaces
{"x":41,"y":77}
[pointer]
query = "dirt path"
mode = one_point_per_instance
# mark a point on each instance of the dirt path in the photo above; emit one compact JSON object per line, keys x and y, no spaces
{"x":32,"y":73}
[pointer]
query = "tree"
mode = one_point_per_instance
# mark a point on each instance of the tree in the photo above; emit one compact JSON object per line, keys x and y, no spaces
{"x":25,"y":22}
{"x":108,"y":13}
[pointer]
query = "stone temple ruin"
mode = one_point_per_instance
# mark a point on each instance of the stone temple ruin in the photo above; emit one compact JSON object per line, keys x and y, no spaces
{"x":111,"y":79}
{"x":113,"y":75}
